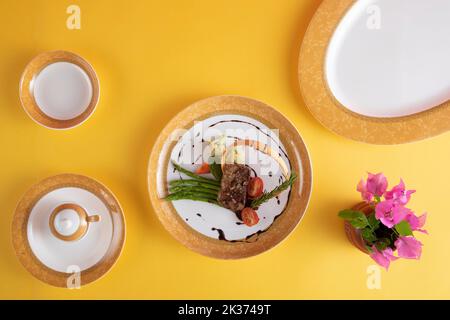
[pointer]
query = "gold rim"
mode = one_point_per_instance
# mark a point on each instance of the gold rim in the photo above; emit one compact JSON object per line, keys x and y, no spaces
{"x":20,"y":221}
{"x":85,"y":220}
{"x":281,"y":227}
{"x":26,"y":94}
{"x":334,"y":116}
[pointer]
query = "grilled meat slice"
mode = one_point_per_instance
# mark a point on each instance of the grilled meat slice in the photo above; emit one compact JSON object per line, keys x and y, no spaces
{"x":233,"y":187}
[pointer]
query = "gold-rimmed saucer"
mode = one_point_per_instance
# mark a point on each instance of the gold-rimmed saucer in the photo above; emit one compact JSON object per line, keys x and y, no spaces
{"x":201,"y":237}
{"x":58,"y":262}
{"x":27,"y":82}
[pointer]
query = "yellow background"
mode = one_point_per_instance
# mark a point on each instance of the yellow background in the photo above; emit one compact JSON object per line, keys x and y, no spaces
{"x":154,"y":58}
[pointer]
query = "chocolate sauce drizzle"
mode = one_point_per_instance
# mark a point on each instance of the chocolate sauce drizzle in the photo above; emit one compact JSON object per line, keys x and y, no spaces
{"x":180,"y":153}
{"x":250,"y":238}
{"x":255,"y":174}
{"x":221,"y":234}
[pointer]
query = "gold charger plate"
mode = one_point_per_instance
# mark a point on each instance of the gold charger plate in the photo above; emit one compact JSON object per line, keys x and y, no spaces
{"x":295,"y":148}
{"x":334,"y":116}
{"x":32,"y":70}
{"x":20,"y":222}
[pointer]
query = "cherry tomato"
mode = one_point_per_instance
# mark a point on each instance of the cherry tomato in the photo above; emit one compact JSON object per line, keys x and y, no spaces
{"x":249,"y":216}
{"x":204,"y":168}
{"x":255,"y":187}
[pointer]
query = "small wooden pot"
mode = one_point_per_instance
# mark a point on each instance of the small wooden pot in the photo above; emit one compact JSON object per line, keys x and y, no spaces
{"x":353,"y":234}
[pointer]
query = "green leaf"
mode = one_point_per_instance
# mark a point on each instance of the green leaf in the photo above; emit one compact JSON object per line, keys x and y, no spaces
{"x":349,"y":214}
{"x":356,"y":218}
{"x":360,"y":222}
{"x":368,"y":235}
{"x":403,"y":228}
{"x":382,"y":243}
{"x":216,"y":170}
{"x":373,"y":221}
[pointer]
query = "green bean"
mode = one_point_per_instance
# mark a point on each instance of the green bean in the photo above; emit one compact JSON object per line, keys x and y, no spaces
{"x":193,"y":189}
{"x":187,"y":182}
{"x":194,"y":176}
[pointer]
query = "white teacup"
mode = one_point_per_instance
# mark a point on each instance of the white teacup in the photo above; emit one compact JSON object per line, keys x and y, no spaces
{"x":70,"y":222}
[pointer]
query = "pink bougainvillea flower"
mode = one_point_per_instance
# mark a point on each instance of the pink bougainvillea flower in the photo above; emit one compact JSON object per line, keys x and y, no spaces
{"x":376,"y":184}
{"x":383,"y":258}
{"x":416,"y":223}
{"x":390,"y":213}
{"x":399,"y":194}
{"x":362,"y":187}
{"x":408,"y":247}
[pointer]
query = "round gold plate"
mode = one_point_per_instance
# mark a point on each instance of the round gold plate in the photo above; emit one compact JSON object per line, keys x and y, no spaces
{"x":31,"y":71}
{"x":20,"y":221}
{"x":334,"y":116}
{"x":296,"y":150}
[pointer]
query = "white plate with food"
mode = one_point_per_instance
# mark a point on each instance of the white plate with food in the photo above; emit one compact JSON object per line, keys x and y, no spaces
{"x":229,"y":177}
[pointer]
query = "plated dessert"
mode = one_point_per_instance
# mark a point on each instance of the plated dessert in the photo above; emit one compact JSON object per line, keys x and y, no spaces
{"x":223,"y":180}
